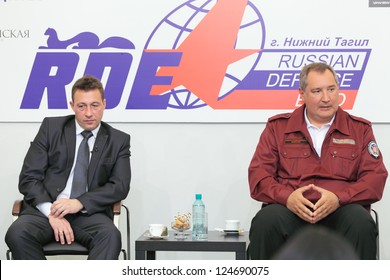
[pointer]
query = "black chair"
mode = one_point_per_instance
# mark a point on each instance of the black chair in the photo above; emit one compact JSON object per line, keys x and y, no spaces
{"x":54,"y":248}
{"x":374,"y":214}
{"x":376,"y":219}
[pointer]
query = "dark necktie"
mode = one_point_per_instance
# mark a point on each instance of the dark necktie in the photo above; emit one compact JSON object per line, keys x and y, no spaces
{"x":80,"y":174}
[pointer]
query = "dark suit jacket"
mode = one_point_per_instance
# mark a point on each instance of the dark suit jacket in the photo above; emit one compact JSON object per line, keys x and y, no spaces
{"x":49,"y":160}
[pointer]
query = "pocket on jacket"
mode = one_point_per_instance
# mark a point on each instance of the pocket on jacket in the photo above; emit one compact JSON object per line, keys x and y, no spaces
{"x":295,"y":161}
{"x":344,"y":162}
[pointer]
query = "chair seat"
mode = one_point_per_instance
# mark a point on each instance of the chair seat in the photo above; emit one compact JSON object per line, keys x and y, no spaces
{"x":56,"y":248}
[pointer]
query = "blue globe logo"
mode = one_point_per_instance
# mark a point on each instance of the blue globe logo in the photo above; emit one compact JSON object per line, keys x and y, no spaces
{"x":179,"y":23}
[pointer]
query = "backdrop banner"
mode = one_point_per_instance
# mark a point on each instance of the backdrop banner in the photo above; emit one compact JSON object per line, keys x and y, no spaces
{"x":190,"y":61}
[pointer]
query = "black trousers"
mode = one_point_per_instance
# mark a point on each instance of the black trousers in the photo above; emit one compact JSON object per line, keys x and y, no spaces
{"x":26,"y":236}
{"x":274,"y":224}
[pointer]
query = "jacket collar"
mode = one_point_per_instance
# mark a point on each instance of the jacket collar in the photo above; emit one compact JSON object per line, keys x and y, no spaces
{"x":297,"y":122}
{"x":97,"y":150}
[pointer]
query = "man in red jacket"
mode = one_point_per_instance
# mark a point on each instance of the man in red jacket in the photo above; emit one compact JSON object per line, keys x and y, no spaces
{"x":316,"y":165}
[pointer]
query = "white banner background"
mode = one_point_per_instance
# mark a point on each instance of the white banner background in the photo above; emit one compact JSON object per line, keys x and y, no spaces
{"x":24,"y":22}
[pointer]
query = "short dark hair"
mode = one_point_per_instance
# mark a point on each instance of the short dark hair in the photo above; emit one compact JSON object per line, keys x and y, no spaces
{"x":86,"y":83}
{"x":320,"y":67}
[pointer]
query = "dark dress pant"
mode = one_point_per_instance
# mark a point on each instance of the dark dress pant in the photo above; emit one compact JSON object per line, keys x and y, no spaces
{"x":274,"y":224}
{"x":26,"y":236}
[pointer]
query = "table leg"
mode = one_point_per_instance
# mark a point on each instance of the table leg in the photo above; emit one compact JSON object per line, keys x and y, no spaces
{"x":240,"y":255}
{"x":150,"y":255}
{"x":140,"y":255}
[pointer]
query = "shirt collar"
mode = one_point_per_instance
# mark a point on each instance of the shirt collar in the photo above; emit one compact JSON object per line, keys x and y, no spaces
{"x":311,"y":125}
{"x":79,"y":129}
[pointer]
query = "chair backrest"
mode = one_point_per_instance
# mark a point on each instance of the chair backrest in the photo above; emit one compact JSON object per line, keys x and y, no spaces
{"x":54,"y":248}
{"x":376,"y":219}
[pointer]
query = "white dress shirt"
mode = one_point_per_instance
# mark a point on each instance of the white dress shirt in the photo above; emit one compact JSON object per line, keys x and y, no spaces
{"x":318,"y":134}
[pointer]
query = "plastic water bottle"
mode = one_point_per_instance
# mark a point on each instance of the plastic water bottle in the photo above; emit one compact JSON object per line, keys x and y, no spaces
{"x":199,"y":219}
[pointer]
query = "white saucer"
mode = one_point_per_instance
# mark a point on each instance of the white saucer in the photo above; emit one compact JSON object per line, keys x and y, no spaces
{"x":231,"y":231}
{"x":155,"y":236}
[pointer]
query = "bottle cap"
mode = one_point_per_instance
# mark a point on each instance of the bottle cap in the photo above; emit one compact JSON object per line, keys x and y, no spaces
{"x":198,"y":196}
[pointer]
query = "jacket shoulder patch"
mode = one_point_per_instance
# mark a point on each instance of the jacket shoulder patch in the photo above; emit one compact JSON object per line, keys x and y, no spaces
{"x":373,"y":149}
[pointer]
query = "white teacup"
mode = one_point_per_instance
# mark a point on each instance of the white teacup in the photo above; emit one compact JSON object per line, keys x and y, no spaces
{"x":157,"y":230}
{"x":232,"y":224}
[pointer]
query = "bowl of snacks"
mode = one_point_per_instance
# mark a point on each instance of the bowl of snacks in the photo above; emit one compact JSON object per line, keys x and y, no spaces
{"x":180,"y":224}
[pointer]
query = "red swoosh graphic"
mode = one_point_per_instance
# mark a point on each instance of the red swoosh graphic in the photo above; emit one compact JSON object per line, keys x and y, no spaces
{"x":207,"y":52}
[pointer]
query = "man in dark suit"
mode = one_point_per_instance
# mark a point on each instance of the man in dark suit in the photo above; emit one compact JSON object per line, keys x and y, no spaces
{"x":46,"y":178}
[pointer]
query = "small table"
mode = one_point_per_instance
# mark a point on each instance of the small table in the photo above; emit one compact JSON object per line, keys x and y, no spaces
{"x":145,"y":248}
